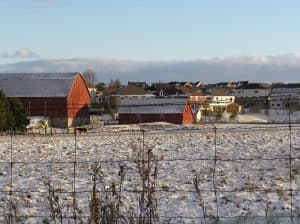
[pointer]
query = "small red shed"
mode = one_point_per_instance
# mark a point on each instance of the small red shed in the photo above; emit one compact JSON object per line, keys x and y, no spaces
{"x":172,"y":110}
{"x":62,"y":97}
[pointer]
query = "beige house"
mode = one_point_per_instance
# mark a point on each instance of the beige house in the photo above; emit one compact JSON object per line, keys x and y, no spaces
{"x":95,"y":94}
{"x":131,"y":91}
{"x":198,"y":98}
{"x":234,"y":107}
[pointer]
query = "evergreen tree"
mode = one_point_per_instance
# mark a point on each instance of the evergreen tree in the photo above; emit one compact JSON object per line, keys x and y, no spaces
{"x":115,"y":82}
{"x":12,"y":114}
{"x":17,"y":119}
{"x":3,"y":112}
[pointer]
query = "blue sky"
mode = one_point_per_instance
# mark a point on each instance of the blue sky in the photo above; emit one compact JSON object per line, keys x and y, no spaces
{"x":120,"y":32}
{"x":150,"y":30}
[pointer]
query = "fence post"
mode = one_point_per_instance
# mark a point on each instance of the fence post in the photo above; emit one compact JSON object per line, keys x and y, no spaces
{"x":290,"y":158}
{"x":11,"y":178}
{"x":74,"y":175}
{"x":142,"y":208}
{"x":214,"y":173}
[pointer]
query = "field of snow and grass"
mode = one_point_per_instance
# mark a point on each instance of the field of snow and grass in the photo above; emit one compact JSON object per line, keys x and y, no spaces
{"x":252,"y":172}
{"x":264,"y":116}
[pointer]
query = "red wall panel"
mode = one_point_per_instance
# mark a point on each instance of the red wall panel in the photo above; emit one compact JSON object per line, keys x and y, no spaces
{"x":50,"y":107}
{"x":187,"y":116}
{"x":78,"y":99}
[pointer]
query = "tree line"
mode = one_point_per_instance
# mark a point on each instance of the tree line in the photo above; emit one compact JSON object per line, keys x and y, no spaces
{"x":12,"y":114}
{"x":91,"y":80}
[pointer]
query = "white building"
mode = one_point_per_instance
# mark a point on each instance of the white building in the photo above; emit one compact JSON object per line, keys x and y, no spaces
{"x":283,"y":95}
{"x":253,"y":90}
{"x":219,"y":100}
{"x":219,"y":103}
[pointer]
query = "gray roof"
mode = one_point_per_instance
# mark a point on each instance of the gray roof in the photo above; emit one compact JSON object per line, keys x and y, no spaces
{"x":255,"y":86}
{"x":37,"y":84}
{"x":286,"y":85}
{"x":153,"y":106}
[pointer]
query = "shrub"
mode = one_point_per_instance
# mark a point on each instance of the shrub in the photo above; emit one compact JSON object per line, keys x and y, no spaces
{"x":206,"y":112}
{"x":4,"y":113}
{"x":219,"y":115}
{"x":233,"y":115}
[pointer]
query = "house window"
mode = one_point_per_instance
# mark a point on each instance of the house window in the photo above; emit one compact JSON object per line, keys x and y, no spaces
{"x":278,"y":105}
{"x":162,"y":116}
{"x":255,"y":91}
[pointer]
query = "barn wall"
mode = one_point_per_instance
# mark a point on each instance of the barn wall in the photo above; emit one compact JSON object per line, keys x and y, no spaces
{"x":51,"y":107}
{"x":59,"y":122}
{"x":62,"y":111}
{"x":187,"y":117}
{"x":78,"y":103}
{"x":149,"y":118}
{"x":55,"y":108}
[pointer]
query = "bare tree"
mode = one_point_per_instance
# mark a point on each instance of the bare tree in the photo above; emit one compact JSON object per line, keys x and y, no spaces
{"x":90,"y":77}
{"x":115,"y":83}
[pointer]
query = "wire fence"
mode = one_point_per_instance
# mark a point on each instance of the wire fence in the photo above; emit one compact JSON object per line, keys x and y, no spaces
{"x":211,"y":173}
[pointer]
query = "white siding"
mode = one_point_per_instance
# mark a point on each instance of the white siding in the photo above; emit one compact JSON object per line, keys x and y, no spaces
{"x":252,"y":92}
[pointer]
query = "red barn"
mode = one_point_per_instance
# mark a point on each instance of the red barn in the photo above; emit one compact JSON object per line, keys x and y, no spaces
{"x":172,"y":110}
{"x":62,"y":97}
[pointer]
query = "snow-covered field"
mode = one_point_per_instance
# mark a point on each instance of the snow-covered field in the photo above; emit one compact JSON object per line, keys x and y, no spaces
{"x":252,"y":175}
{"x":264,"y":116}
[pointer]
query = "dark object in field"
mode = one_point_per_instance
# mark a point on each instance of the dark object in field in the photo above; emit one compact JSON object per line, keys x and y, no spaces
{"x":80,"y":130}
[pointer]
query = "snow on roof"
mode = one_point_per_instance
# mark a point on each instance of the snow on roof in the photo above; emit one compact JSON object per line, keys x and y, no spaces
{"x":153,"y":106}
{"x":37,"y":84}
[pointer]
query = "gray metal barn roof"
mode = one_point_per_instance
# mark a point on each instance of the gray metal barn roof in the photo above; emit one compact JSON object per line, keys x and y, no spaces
{"x":37,"y":84}
{"x":153,"y":106}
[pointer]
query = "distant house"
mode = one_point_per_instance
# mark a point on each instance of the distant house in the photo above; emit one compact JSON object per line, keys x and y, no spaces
{"x":131,"y":91}
{"x":172,"y":110}
{"x":253,"y":96}
{"x":255,"y":90}
{"x":62,"y":97}
{"x":104,"y":99}
{"x":284,"y":95}
{"x":199,"y":98}
{"x":95,"y":94}
{"x":220,"y":100}
{"x":144,"y":85}
{"x":286,"y":88}
{"x":173,"y":91}
{"x":234,"y":107}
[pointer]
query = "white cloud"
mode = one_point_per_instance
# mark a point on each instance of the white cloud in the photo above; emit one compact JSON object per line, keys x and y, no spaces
{"x":286,"y":59}
{"x":284,"y":68}
{"x":20,"y":53}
